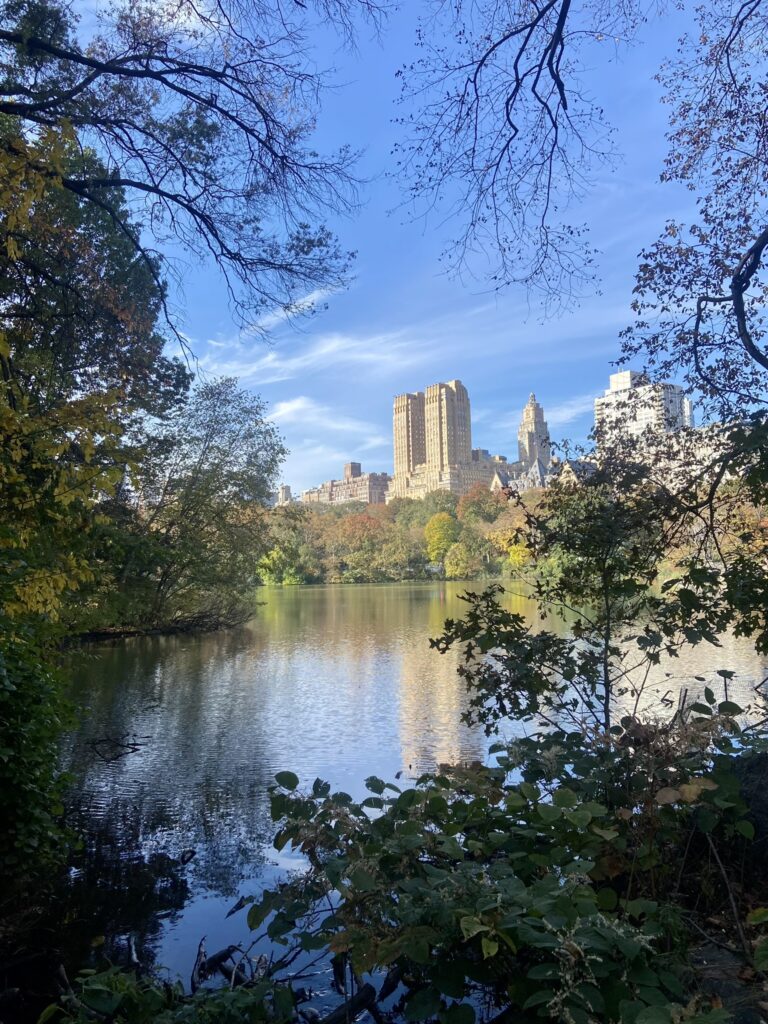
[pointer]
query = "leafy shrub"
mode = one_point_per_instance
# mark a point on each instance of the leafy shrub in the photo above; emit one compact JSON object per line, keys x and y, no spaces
{"x":553,"y":885}
{"x":32,"y":714}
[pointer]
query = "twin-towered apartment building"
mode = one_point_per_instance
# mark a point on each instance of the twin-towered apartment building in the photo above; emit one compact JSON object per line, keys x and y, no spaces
{"x":432,"y":440}
{"x":432,"y":434}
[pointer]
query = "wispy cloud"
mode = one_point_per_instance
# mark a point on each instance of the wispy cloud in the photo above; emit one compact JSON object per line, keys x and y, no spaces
{"x":306,"y":412}
{"x":321,"y":439}
{"x":570,"y":410}
{"x":374,"y":353}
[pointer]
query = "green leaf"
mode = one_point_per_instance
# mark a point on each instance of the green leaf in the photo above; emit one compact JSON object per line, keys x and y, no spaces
{"x":543,"y":996}
{"x":579,"y":867}
{"x":422,"y":1004}
{"x":565,"y":797}
{"x":607,"y":899}
{"x":375,"y":784}
{"x":416,"y":947}
{"x":471,"y":926}
{"x":580,"y":817}
{"x":705,"y":819}
{"x":709,"y":696}
{"x":260,"y":911}
{"x":544,"y":972}
{"x":288,"y":780}
{"x":629,"y":1009}
{"x":48,"y":1012}
{"x":548,"y":813}
{"x":101,"y":999}
{"x":745,"y":828}
{"x":727,"y":707}
{"x":701,"y":709}
{"x":605,"y":833}
{"x":490,"y":947}
{"x":363,"y":880}
{"x":758,"y":916}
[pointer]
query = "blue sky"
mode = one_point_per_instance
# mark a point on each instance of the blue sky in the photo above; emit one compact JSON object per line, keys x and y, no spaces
{"x":401,"y":325}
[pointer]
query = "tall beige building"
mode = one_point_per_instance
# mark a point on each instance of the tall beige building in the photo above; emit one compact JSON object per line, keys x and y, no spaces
{"x":447,"y":424}
{"x":432,"y":432}
{"x":409,"y":432}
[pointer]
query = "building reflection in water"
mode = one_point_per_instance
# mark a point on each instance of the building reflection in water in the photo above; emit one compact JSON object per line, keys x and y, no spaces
{"x":433,"y":697}
{"x":337,"y":682}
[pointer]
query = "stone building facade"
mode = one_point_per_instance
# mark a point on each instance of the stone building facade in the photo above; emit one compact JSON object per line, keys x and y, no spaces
{"x":533,"y":437}
{"x":355,"y":485}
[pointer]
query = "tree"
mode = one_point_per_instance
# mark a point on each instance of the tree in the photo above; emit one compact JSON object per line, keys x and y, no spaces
{"x":187,"y":551}
{"x":354,"y":546}
{"x":80,"y":306}
{"x":294,"y":556}
{"x":440,"y":533}
{"x":505,"y":134}
{"x":460,"y":563}
{"x":481,"y":505}
{"x":199,"y":119}
{"x":439,"y":501}
{"x":707,"y":278}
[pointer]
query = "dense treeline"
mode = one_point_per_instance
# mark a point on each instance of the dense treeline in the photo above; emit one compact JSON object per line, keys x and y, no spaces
{"x":442,"y":535}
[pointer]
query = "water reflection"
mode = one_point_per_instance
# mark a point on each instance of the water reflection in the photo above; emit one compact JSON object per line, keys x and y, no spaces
{"x":337,"y":682}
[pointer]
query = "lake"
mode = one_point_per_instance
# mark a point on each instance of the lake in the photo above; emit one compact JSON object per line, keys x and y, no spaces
{"x":180,"y":736}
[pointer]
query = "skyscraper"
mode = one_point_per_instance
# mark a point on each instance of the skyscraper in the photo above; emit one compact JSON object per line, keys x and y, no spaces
{"x":408,"y":431}
{"x":433,"y":444}
{"x":632,"y":405}
{"x":533,"y":436}
{"x":448,"y":427}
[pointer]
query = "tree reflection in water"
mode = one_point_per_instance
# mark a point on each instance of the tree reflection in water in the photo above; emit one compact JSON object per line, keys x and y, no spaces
{"x":335,"y":681}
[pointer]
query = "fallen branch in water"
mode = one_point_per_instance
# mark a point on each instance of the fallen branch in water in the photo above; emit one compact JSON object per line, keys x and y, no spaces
{"x":363,"y":999}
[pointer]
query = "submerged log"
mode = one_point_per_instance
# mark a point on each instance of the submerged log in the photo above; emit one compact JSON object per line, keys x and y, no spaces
{"x":235,"y":975}
{"x":390,"y":983}
{"x":363,"y":999}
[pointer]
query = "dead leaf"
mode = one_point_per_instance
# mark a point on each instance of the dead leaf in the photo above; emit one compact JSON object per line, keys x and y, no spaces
{"x":668,"y":795}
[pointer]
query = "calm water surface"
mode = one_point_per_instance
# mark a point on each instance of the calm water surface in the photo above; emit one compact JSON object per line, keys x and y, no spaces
{"x":181,"y":736}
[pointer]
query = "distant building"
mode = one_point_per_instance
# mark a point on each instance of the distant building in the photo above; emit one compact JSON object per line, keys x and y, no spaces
{"x":284,"y":496}
{"x":432,"y":441}
{"x":370,"y":488}
{"x":533,"y":437}
{"x":573,"y":472}
{"x":632,"y":406}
